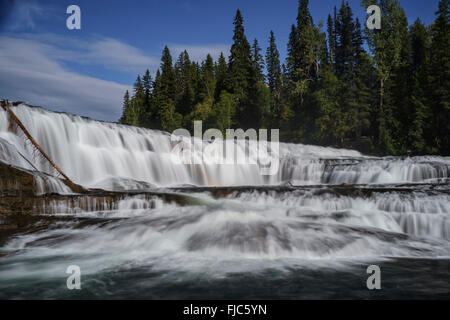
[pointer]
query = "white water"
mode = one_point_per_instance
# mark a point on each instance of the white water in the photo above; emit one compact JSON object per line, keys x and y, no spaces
{"x":112,"y":156}
{"x":256,"y":228}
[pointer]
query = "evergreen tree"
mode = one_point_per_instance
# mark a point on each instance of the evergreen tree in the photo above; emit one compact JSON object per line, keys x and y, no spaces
{"x":221,"y":75}
{"x":147,"y":85}
{"x":185,"y":88}
{"x":170,"y":118}
{"x":387,"y":51}
{"x":273,"y":66}
{"x":331,"y":40}
{"x":420,"y":85}
{"x":138,"y":88}
{"x":305,"y":52}
{"x":362,"y":92}
{"x":125,"y":106}
{"x":156,"y":102}
{"x":344,"y":42}
{"x":208,"y":81}
{"x":257,"y":61}
{"x":440,"y":77}
{"x":241,"y":74}
{"x":291,"y":60}
{"x":168,"y":82}
{"x":330,"y":91}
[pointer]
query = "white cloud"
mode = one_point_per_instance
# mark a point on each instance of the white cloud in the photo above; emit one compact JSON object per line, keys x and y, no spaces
{"x":25,"y":14}
{"x":33,"y":68}
{"x":101,"y":51}
{"x":118,"y":55}
{"x":28,"y":72}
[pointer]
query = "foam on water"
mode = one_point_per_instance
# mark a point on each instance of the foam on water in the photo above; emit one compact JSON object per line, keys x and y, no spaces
{"x":90,"y":151}
{"x":240,"y":230}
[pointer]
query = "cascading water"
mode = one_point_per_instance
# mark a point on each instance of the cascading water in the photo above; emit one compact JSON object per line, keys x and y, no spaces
{"x":96,"y":154}
{"x":326,"y":209}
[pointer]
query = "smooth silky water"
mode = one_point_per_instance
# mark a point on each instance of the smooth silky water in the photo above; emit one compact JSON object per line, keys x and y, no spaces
{"x":309,"y":231}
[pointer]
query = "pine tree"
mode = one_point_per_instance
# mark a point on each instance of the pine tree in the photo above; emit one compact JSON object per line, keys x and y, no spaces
{"x":136,"y":113}
{"x":241,"y":73}
{"x":240,"y":62}
{"x":170,"y":118}
{"x":400,"y":87}
{"x":222,"y":79}
{"x":257,"y":61}
{"x":168,"y":82}
{"x":291,"y":60}
{"x":125,"y":106}
{"x":273,"y":66}
{"x":331,"y":40}
{"x":185,"y":88}
{"x":208,"y":81}
{"x":344,"y":42}
{"x":330,"y":91}
{"x":305,"y":51}
{"x":362,"y":92}
{"x":440,"y":77}
{"x":387,"y":51}
{"x":419,"y":77}
{"x":147,"y":85}
{"x":157,"y":101}
{"x":138,"y":88}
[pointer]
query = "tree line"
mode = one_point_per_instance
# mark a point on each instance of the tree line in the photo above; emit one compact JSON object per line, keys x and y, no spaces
{"x":391,"y":98}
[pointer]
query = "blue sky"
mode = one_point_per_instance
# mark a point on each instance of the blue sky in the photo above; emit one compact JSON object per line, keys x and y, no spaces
{"x":87,"y":71}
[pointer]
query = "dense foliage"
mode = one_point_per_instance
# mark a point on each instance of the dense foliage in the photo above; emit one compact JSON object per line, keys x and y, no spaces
{"x":393,"y":99}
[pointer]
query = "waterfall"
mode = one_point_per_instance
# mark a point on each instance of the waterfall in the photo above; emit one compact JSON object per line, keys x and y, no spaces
{"x":323,"y":209}
{"x":114,"y":156}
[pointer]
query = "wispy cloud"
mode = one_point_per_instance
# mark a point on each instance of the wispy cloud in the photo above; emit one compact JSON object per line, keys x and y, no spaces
{"x":31,"y":71}
{"x":118,"y":55}
{"x":105,"y":52}
{"x":24,"y":15}
{"x":42,"y":69}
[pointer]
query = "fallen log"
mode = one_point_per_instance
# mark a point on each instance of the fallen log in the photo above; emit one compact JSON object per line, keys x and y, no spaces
{"x":5,"y":105}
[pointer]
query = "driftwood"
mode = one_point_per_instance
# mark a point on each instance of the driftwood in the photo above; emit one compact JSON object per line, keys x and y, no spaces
{"x":5,"y":105}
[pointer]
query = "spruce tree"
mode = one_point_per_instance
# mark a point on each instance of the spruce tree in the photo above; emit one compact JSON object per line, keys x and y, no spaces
{"x":208,"y":81}
{"x":138,"y":88}
{"x":185,"y":97}
{"x":241,"y":73}
{"x":440,"y":77}
{"x":331,"y":40}
{"x":168,"y":82}
{"x":125,"y":106}
{"x":147,"y":84}
{"x":257,"y":61}
{"x":344,"y":42}
{"x":387,"y":51}
{"x":221,"y":74}
{"x":273,"y":66}
{"x":170,"y":118}
{"x":154,"y":121}
{"x":420,"y":110}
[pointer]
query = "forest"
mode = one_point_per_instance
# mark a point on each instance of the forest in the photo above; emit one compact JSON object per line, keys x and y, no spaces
{"x":382,"y":92}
